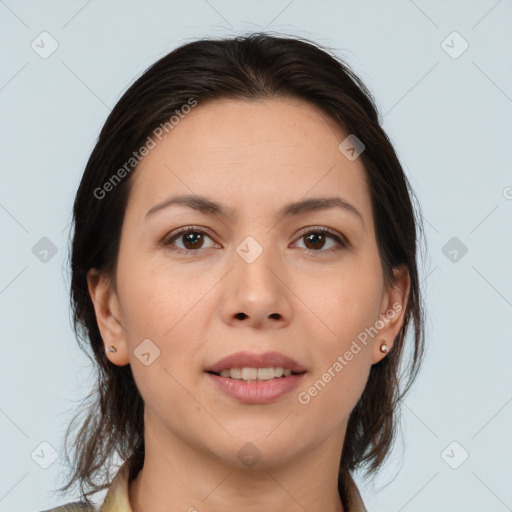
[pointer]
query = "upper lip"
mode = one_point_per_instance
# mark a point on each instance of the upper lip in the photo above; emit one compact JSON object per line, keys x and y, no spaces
{"x":251,"y":360}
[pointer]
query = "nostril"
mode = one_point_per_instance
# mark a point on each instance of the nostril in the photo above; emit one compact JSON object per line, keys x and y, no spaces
{"x":240,"y":316}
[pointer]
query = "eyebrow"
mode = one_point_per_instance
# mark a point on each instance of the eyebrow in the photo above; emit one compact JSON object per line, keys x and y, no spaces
{"x":208,"y":206}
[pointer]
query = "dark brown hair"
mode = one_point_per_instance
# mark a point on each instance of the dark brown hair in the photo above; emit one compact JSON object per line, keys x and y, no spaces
{"x":252,"y":67}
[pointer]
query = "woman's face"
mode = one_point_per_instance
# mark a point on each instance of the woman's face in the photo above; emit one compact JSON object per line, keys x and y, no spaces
{"x":252,"y":281}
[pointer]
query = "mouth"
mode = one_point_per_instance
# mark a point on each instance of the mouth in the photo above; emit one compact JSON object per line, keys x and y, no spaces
{"x":252,"y":378}
{"x":250,"y":374}
{"x":252,"y":366}
{"x":256,"y":391}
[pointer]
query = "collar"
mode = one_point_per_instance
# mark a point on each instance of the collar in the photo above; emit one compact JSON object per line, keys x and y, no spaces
{"x":117,"y":498}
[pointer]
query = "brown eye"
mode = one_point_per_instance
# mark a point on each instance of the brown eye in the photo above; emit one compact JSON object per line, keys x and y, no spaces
{"x":192,"y":239}
{"x":315,"y":240}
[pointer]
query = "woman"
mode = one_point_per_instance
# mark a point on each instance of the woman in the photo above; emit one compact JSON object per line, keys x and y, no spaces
{"x":244,"y":271}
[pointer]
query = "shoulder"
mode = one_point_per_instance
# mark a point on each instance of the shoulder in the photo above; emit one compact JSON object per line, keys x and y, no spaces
{"x":77,"y":506}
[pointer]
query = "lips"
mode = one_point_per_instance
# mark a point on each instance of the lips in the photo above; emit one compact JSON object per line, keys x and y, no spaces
{"x":252,"y":360}
{"x":256,"y":392}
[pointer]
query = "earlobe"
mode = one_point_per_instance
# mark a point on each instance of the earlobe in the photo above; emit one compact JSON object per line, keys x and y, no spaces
{"x":394,"y":305}
{"x":108,"y":317}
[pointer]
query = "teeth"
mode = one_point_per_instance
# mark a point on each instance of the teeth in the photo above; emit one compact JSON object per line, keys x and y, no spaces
{"x":234,"y":373}
{"x":256,"y":373}
{"x":266,"y":373}
{"x":249,"y":373}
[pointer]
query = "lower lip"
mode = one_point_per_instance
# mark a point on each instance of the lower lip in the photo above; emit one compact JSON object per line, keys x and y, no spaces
{"x":257,"y":392}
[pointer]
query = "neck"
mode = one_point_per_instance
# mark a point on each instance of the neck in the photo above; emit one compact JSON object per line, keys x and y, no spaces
{"x":182,"y":477}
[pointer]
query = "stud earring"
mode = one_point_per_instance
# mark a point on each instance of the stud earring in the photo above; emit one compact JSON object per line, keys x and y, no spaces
{"x":384,"y":348}
{"x":112,"y":348}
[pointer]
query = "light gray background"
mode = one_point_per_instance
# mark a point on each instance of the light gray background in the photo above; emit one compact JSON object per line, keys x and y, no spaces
{"x":450,"y":120}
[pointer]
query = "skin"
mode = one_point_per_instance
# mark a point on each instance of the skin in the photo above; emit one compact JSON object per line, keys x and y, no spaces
{"x":254,"y":157}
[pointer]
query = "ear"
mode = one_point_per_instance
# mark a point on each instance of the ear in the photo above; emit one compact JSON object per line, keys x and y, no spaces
{"x":392,"y":312}
{"x":108,"y":316}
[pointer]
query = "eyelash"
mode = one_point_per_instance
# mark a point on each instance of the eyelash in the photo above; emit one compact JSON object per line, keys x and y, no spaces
{"x":340,"y":240}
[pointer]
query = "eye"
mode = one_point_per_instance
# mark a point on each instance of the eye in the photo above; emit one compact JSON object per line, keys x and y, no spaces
{"x":315,"y":239}
{"x":192,"y":237}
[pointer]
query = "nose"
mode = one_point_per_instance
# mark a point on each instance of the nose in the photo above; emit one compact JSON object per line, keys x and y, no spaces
{"x":256,"y":293}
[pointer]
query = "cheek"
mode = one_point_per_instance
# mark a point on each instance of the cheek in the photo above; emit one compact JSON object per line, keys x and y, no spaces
{"x":171,"y":308}
{"x":342,"y":304}
{"x":330,"y":395}
{"x":157,"y":296}
{"x":344,"y":307}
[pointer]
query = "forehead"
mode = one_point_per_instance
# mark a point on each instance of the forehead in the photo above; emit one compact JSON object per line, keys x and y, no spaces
{"x":263,"y":153}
